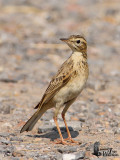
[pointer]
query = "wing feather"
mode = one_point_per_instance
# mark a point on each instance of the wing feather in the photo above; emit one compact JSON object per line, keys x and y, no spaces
{"x":58,"y":81}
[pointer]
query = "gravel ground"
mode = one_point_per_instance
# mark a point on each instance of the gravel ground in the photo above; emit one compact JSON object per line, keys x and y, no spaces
{"x":31,"y":53}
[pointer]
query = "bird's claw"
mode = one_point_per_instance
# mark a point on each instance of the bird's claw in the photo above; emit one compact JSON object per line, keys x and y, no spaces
{"x":71,"y":140}
{"x":59,"y":141}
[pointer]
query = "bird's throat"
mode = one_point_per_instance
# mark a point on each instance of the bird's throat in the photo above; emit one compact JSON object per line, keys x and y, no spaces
{"x":82,"y":55}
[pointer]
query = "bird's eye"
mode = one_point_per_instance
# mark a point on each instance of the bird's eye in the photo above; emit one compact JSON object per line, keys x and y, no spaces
{"x":78,"y":41}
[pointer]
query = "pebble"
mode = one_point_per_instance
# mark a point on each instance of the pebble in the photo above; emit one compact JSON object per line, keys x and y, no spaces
{"x":117,"y":131}
{"x":17,"y":154}
{"x":76,"y":156}
{"x":80,"y":155}
{"x":16,"y":139}
{"x":4,"y":134}
{"x":45,"y":128}
{"x":83,"y":145}
{"x":9,"y":150}
{"x":103,"y":100}
{"x":7,"y":125}
{"x":59,"y":156}
{"x":82,"y":119}
{"x":5,"y":108}
{"x":68,"y":149}
{"x":4,"y":141}
{"x":118,"y":141}
{"x":15,"y":158}
{"x":69,"y":157}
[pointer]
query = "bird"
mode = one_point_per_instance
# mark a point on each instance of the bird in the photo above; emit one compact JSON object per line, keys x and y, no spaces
{"x":64,"y":87}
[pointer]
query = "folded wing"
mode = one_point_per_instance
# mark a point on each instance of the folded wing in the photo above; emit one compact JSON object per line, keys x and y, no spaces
{"x":58,"y":81}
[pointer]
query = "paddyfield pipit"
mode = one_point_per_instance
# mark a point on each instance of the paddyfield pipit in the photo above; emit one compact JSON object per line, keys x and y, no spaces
{"x":65,"y":86}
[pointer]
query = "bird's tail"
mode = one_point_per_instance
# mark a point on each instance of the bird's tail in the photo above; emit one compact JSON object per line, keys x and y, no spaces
{"x":33,"y":120}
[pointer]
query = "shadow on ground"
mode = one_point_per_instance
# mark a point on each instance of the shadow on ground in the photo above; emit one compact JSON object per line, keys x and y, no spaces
{"x":53,"y":134}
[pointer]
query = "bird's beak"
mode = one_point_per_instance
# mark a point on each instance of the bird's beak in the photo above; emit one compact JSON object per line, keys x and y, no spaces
{"x":64,"y":39}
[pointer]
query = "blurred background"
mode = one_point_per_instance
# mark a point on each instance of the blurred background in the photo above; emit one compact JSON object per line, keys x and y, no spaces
{"x":31,"y":53}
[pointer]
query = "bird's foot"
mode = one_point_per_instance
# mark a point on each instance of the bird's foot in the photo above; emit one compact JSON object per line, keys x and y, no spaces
{"x":71,"y":140}
{"x":60,"y":141}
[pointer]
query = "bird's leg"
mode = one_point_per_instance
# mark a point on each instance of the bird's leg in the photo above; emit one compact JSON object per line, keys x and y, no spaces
{"x":68,"y":132}
{"x":57,"y":109}
{"x":58,"y":128}
{"x":63,"y":116}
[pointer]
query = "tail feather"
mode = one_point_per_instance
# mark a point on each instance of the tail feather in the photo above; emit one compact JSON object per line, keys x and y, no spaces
{"x":33,"y":120}
{"x":37,"y":106}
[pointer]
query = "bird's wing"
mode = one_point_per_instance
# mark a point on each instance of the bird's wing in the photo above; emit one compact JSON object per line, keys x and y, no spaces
{"x":58,"y":81}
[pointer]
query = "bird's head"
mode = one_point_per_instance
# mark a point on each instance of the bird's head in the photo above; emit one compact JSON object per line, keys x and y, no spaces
{"x":76,"y":43}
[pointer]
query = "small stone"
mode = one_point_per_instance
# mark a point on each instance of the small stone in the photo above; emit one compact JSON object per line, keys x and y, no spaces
{"x":5,"y":142}
{"x":68,"y":149}
{"x":117,"y":131}
{"x":89,"y":155}
{"x":7,"y":125}
{"x":114,"y":124}
{"x":83,"y":145}
{"x":77,"y":126}
{"x":45,"y":128}
{"x":4,"y":134}
{"x":16,"y":158}
{"x":95,"y":158}
{"x":80,"y":155}
{"x":101,"y":129}
{"x":16,"y":139}
{"x":117,"y":141}
{"x":5,"y":108}
{"x":68,"y":156}
{"x":82,"y":119}
{"x":24,"y":90}
{"x":8,"y":151}
{"x":59,"y":156}
{"x":90,"y":147}
{"x":103,"y":100}
{"x":17,"y":154}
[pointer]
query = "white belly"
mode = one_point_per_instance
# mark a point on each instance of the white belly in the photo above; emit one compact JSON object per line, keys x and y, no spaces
{"x":71,"y":90}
